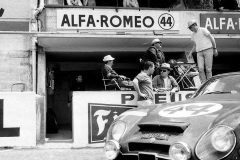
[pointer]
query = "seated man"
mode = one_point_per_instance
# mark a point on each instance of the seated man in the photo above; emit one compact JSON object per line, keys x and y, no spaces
{"x":164,"y":82}
{"x":109,"y":73}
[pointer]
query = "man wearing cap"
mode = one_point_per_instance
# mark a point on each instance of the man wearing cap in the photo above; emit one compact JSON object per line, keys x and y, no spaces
{"x":109,"y":73}
{"x":154,"y":54}
{"x":205,"y":46}
{"x":164,"y":82}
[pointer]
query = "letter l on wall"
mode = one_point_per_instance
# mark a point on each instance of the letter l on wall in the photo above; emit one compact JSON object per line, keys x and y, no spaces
{"x":7,"y":132}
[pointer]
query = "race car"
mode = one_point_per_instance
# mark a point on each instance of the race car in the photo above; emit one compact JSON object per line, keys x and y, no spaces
{"x":203,"y":127}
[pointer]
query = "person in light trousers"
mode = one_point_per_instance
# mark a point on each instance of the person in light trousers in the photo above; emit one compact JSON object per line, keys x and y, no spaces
{"x":205,"y":46}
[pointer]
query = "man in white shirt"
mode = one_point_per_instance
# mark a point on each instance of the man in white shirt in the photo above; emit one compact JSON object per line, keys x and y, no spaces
{"x":205,"y":46}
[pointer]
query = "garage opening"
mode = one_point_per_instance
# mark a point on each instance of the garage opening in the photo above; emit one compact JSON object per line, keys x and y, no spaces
{"x":67,"y":66}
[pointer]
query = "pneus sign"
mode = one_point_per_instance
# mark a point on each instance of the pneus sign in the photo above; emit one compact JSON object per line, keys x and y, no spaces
{"x":109,"y":19}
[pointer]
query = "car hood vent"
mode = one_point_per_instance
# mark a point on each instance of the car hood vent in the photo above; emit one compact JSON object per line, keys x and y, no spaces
{"x":167,"y":127}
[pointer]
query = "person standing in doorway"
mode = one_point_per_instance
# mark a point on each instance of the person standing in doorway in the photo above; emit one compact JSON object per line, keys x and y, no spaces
{"x":205,"y":46}
{"x":143,"y":84}
{"x":77,"y":85}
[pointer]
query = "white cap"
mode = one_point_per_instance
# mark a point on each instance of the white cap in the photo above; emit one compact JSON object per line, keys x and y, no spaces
{"x":190,"y":23}
{"x":108,"y":58}
{"x":156,"y":41}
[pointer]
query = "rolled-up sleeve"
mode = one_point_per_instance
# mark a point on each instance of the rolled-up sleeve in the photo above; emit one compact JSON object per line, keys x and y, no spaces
{"x":174,"y":83}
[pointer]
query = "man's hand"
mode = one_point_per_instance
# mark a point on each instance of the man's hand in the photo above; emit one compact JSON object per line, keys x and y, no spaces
{"x":145,"y":96}
{"x":157,"y":65}
{"x":122,"y":77}
{"x":74,"y":2}
{"x":215,"y":52}
{"x":190,"y":55}
{"x":174,"y":90}
{"x":160,"y":90}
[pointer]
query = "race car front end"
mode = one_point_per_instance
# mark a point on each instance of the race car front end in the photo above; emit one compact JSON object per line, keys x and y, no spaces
{"x":216,"y":143}
{"x":116,"y":131}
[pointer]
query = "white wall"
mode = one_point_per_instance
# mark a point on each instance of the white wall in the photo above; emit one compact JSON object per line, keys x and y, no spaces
{"x":19,"y":112}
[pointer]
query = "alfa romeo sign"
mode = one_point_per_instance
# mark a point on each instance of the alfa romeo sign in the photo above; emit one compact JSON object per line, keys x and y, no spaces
{"x":109,"y":19}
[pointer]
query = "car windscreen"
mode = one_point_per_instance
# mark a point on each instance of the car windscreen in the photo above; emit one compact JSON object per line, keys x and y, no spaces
{"x":228,"y":84}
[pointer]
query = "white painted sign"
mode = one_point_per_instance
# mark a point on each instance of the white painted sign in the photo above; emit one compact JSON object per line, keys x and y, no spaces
{"x":93,"y":112}
{"x":18,"y":119}
{"x":110,"y":19}
{"x":190,"y":110}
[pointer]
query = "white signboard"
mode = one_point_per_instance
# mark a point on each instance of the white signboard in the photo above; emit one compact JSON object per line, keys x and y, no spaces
{"x":110,"y":19}
{"x":93,"y":112}
{"x":18,"y":119}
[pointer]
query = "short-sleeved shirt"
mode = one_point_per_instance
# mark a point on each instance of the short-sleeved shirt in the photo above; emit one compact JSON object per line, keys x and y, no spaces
{"x":145,"y":85}
{"x":201,"y":39}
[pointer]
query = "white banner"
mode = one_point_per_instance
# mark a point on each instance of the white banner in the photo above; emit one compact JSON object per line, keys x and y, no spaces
{"x":110,"y":19}
{"x":93,"y":112}
{"x":18,"y":119}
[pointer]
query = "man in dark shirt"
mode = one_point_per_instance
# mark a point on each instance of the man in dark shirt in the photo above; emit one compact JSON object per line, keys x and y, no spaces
{"x":77,"y":85}
{"x":109,"y":73}
{"x":155,"y":55}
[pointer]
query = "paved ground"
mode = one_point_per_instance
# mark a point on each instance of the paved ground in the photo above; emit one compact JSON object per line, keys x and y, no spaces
{"x":52,"y":154}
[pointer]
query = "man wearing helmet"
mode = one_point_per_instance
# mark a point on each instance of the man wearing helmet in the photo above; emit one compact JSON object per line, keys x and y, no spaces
{"x":205,"y":46}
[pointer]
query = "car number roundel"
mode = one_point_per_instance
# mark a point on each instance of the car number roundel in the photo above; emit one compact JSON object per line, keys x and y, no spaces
{"x":190,"y":110}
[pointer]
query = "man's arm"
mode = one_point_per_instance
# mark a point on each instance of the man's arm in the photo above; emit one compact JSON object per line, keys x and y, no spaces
{"x":110,"y":73}
{"x":152,"y":53}
{"x":85,"y":2}
{"x":134,"y":3}
{"x":193,"y":50}
{"x":154,"y":83}
{"x":136,"y":87}
{"x":215,"y":52}
{"x":175,"y":86}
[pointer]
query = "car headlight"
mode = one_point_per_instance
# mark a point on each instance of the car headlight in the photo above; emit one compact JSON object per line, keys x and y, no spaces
{"x":111,"y":149}
{"x":179,"y":151}
{"x":118,"y":130}
{"x":216,"y":143}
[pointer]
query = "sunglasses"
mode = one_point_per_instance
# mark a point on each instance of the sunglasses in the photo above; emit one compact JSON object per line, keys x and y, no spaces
{"x":163,"y":71}
{"x":190,"y":27}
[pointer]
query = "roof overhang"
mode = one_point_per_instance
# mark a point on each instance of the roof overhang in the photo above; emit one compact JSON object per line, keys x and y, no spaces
{"x":125,"y":43}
